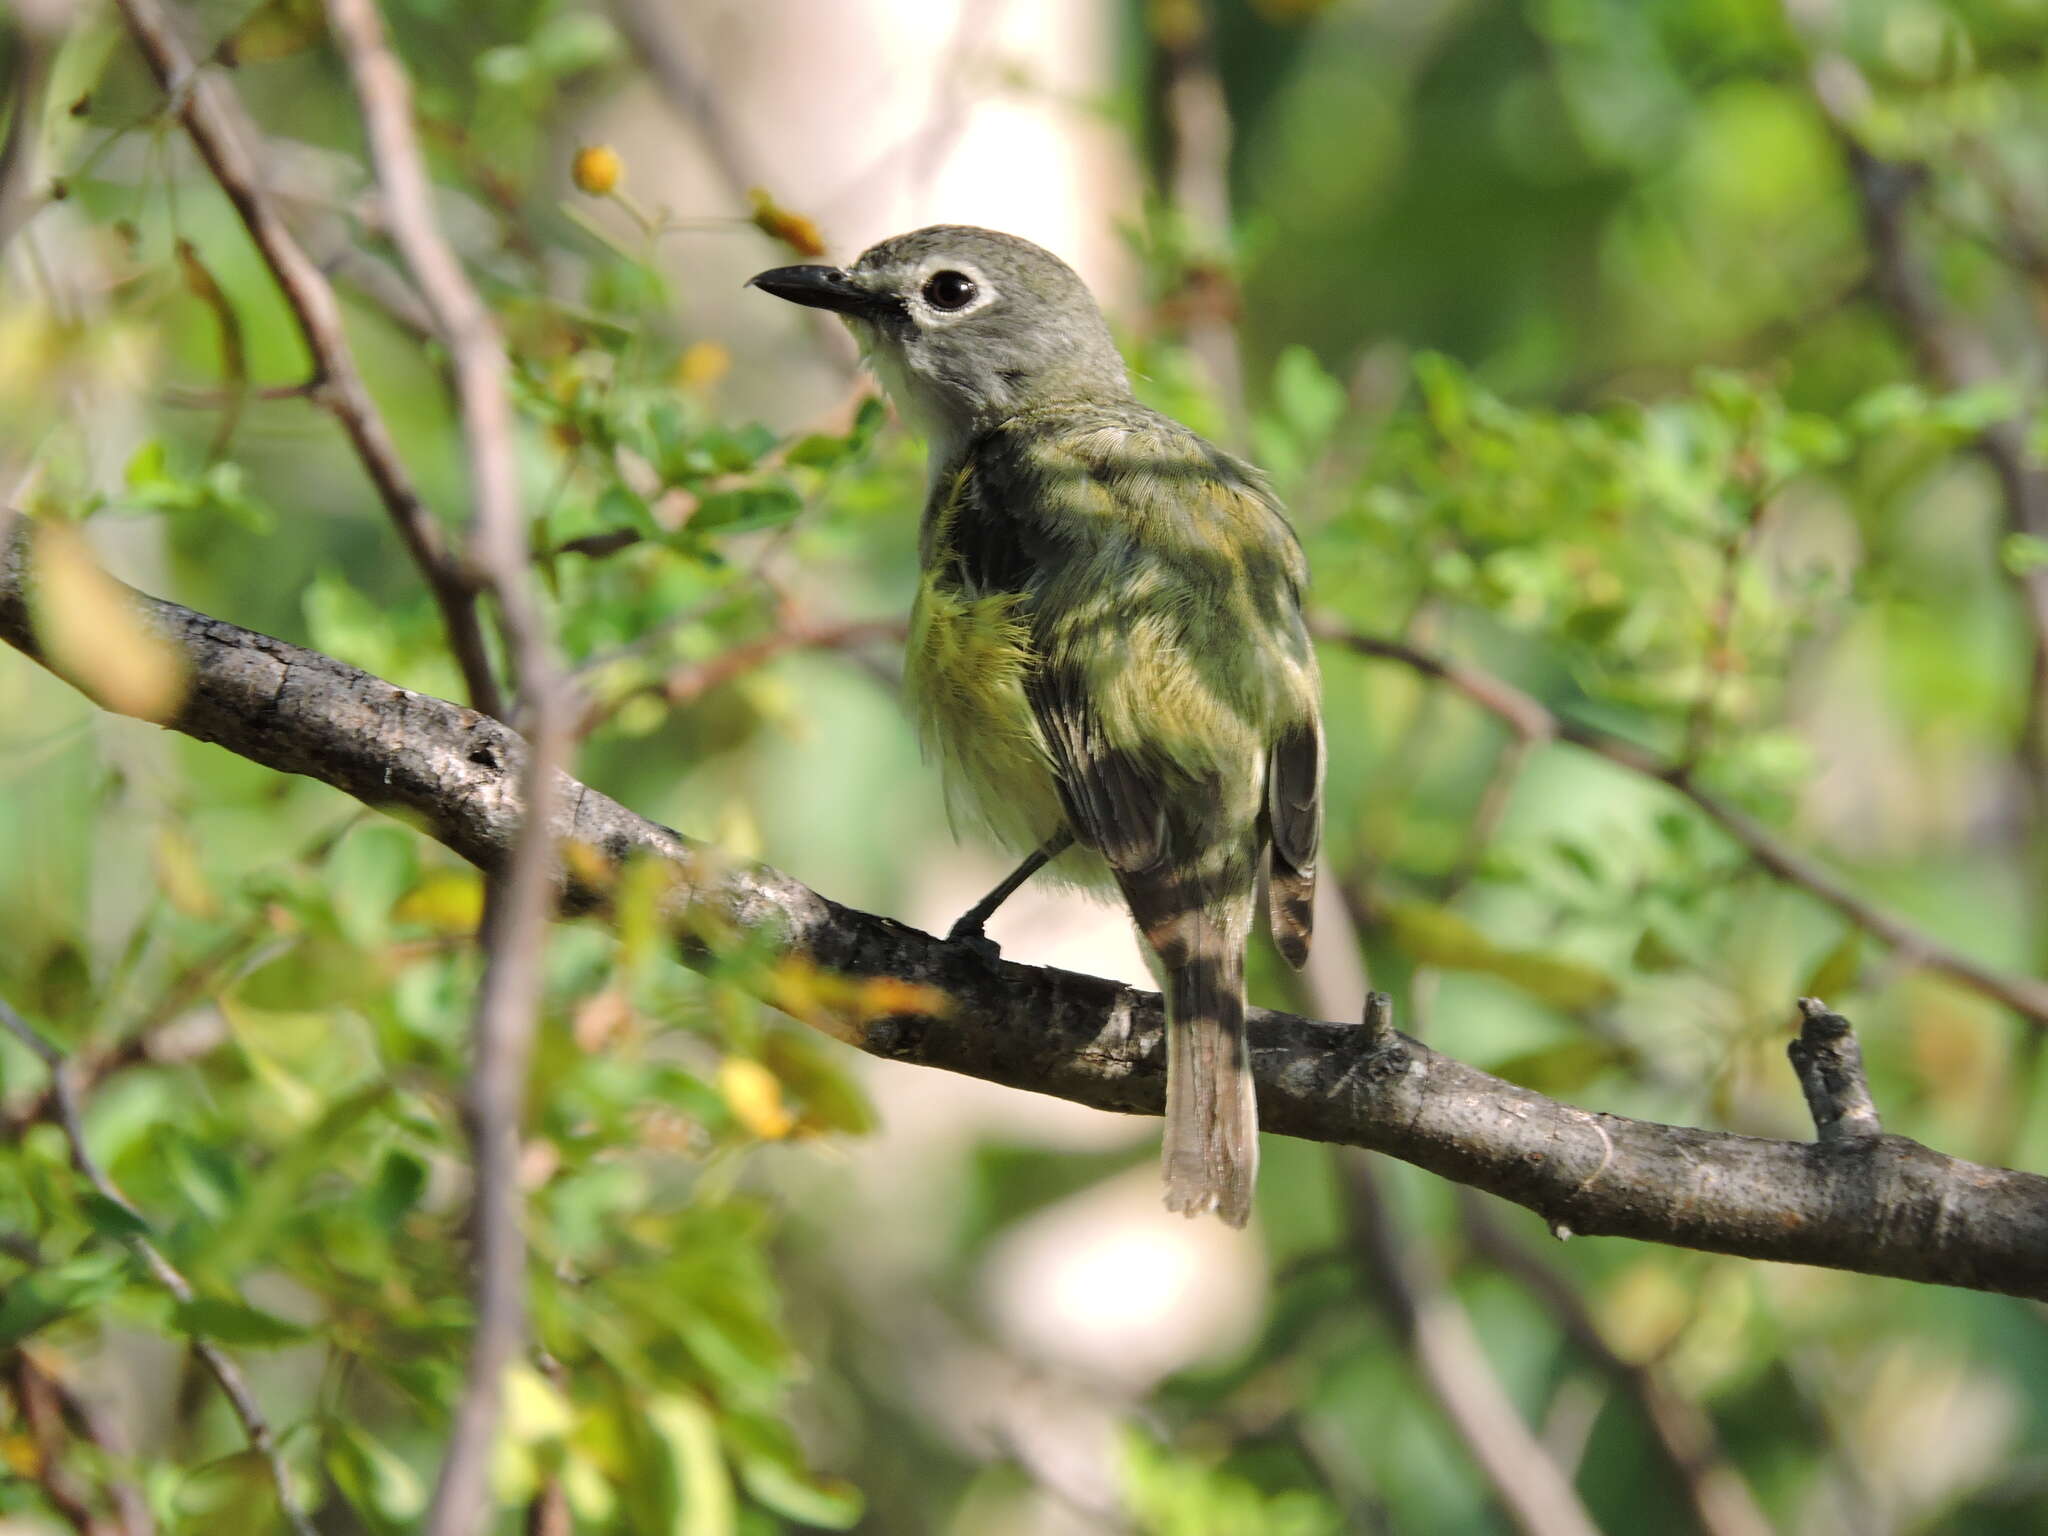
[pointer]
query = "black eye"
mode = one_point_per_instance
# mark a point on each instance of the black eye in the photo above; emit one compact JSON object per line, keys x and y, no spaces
{"x":949,"y":290}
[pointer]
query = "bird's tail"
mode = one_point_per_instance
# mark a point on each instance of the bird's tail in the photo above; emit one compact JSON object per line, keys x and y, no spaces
{"x":1211,"y":1150}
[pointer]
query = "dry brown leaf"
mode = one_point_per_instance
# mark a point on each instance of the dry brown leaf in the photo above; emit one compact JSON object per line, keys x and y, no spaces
{"x":91,"y":635}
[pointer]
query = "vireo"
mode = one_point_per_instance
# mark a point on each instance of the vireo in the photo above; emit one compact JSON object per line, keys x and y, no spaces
{"x":1107,"y":650}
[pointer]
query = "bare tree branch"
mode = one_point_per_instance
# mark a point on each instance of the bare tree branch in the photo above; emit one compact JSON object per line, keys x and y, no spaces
{"x":1951,"y":354}
{"x":213,"y":117}
{"x":650,"y":28}
{"x":224,"y":1370}
{"x":1531,"y":719}
{"x":35,"y":1399}
{"x":39,"y":29}
{"x":1530,"y":1487}
{"x":50,"y":1408}
{"x":521,"y":898}
{"x":1527,"y":1480}
{"x":1721,"y":1501}
{"x":693,"y":680}
{"x":1830,"y":1067}
{"x":1881,"y":1205}
{"x":1198,"y":145}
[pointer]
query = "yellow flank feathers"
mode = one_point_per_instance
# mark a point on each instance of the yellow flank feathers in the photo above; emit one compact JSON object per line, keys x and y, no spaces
{"x":964,"y":675}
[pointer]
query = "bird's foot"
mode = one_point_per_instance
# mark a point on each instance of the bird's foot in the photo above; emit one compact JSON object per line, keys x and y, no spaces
{"x":978,"y":943}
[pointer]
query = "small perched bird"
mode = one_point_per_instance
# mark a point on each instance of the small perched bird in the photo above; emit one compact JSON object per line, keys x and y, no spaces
{"x":1107,"y":650}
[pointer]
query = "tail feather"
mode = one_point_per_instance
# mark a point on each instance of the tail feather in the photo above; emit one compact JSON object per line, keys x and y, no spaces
{"x":1211,"y":1148}
{"x":1290,"y":909}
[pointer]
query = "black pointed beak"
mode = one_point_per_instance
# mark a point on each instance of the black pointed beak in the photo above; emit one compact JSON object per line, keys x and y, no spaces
{"x":823,"y":288}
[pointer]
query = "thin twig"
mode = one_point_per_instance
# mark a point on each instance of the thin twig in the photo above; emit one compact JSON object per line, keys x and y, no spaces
{"x":1451,"y":1362}
{"x":35,"y":1398}
{"x":87,"y":1421}
{"x":1529,"y":716}
{"x":1951,"y":354}
{"x":1490,"y":810}
{"x":521,"y":897}
{"x":149,"y":1039}
{"x":1682,"y":1431}
{"x":1830,"y":1067}
{"x":1699,"y":727}
{"x":691,"y":681}
{"x":2020,"y":240}
{"x":224,"y":1370}
{"x":1196,"y":182}
{"x":39,"y":29}
{"x":213,"y":116}
{"x":1720,"y":1499}
{"x":376,"y":282}
{"x":1432,"y":1323}
{"x":652,"y":30}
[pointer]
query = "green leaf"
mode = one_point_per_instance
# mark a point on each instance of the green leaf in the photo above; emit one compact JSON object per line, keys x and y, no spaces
{"x":147,"y":466}
{"x":667,"y":445}
{"x":236,"y":1322}
{"x":867,"y":421}
{"x":505,"y":67}
{"x":1446,"y":393}
{"x":759,"y":506}
{"x":2023,"y":553}
{"x":1835,"y":973}
{"x":1307,"y":398}
{"x":619,"y":507}
{"x":275,"y":1195}
{"x":820,"y":450}
{"x":1887,"y":408}
{"x":1969,"y":411}
{"x":773,"y":1474}
{"x":235,"y":1488}
{"x":110,"y":1218}
{"x":378,"y":1483}
{"x":574,"y":41}
{"x":1561,"y":1070}
{"x":1655,"y":953}
{"x":735,"y":451}
{"x":695,"y":1488}
{"x":44,"y":1296}
{"x":224,"y":494}
{"x":1807,"y":439}
{"x":400,"y":1182}
{"x":1436,"y":935}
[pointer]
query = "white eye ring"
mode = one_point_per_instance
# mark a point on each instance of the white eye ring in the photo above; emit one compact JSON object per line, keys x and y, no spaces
{"x":949,"y":291}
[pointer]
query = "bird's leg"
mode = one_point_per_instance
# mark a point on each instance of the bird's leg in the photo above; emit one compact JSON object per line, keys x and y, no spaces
{"x":968,"y":930}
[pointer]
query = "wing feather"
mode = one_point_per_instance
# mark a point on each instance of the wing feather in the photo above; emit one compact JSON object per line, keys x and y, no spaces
{"x":1116,"y":806}
{"x":1294,"y":793}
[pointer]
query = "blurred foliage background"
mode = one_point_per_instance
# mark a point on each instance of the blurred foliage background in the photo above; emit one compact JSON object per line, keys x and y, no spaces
{"x":1643,"y":354}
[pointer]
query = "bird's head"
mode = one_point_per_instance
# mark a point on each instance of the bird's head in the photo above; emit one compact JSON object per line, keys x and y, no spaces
{"x":966,"y":327}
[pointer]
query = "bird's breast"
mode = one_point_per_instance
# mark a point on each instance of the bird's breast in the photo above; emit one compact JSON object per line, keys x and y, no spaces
{"x":964,"y":674}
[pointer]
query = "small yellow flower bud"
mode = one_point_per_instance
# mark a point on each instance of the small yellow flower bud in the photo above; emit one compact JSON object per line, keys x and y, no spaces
{"x":597,"y":169}
{"x":794,"y":230}
{"x":702,"y":365}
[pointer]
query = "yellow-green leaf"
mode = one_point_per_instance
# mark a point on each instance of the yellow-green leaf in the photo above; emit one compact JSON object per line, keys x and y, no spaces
{"x":1435,"y":935}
